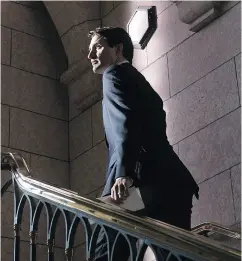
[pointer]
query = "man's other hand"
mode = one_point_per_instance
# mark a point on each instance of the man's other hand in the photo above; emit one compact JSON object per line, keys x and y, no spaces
{"x":119,"y":191}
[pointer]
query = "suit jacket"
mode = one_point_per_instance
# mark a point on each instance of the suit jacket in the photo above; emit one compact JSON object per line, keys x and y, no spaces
{"x":135,"y":131}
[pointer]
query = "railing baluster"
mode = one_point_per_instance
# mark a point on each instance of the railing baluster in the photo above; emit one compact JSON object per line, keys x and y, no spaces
{"x":16,"y":228}
{"x":50,"y":244}
{"x":69,"y":254}
{"x":32,"y":235}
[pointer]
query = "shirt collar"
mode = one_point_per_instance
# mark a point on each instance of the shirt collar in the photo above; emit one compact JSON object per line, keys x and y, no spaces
{"x":124,"y":61}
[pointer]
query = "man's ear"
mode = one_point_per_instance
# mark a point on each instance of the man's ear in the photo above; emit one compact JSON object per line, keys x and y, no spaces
{"x":119,"y":48}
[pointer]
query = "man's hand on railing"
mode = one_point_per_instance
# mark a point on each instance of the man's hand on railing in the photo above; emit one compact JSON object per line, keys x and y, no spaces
{"x":119,"y":191}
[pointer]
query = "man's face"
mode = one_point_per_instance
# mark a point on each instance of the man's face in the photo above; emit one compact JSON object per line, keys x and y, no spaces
{"x":100,"y":54}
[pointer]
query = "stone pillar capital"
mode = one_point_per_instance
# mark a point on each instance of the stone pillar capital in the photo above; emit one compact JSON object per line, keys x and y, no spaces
{"x":84,"y":87}
{"x":197,"y":14}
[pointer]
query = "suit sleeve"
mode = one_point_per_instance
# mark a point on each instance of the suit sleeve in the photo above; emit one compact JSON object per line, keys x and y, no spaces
{"x":123,"y":114}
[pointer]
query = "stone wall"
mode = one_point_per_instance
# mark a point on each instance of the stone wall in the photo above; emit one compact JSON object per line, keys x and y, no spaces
{"x":198,"y":77}
{"x":34,"y":111}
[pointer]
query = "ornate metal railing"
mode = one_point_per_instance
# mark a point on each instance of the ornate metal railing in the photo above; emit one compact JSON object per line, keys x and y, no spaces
{"x":167,"y":242}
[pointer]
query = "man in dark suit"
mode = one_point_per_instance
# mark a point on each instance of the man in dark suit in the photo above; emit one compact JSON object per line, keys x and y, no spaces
{"x":135,"y":127}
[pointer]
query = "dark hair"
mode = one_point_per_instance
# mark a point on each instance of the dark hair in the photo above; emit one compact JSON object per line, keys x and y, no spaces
{"x":114,"y":36}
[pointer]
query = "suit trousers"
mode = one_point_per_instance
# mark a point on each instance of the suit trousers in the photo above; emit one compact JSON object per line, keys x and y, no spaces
{"x":175,"y":211}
